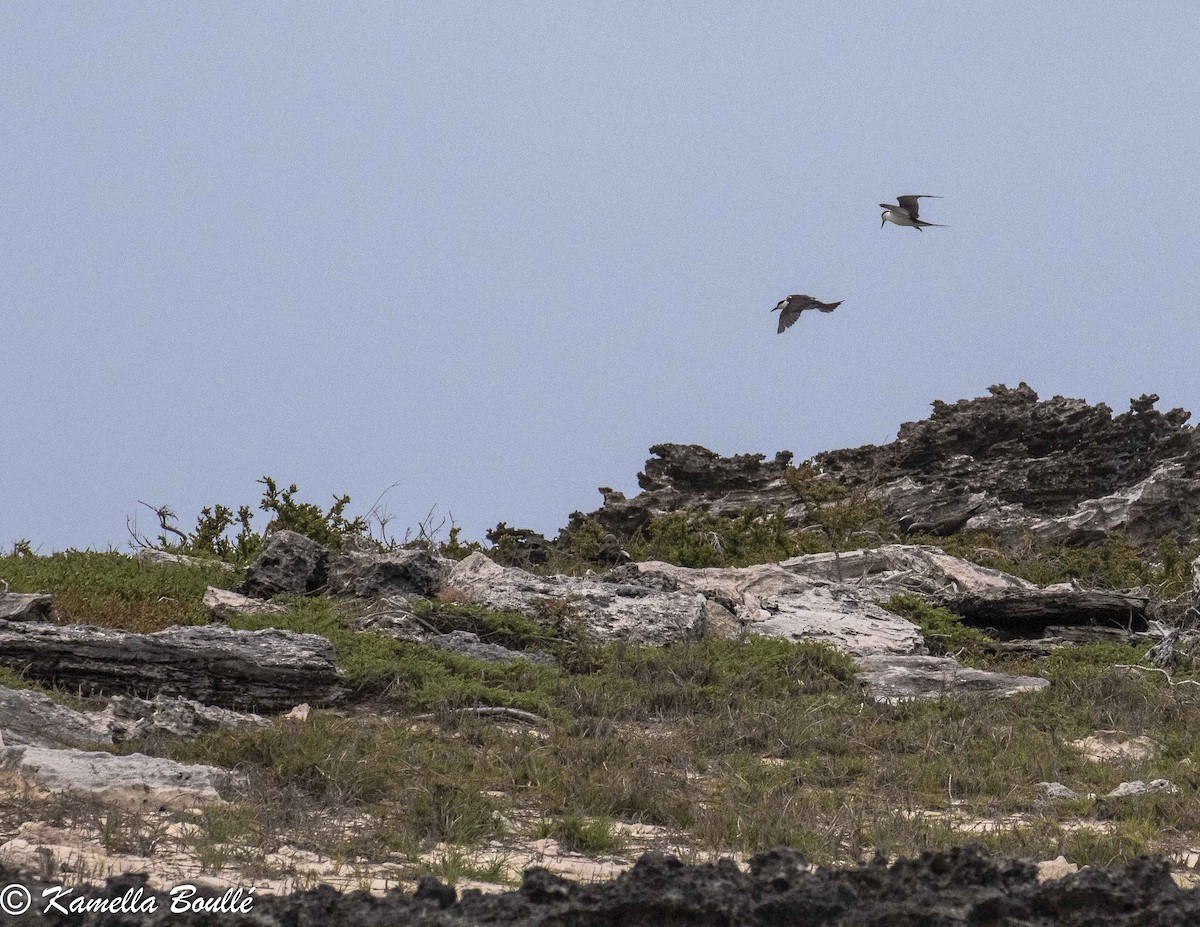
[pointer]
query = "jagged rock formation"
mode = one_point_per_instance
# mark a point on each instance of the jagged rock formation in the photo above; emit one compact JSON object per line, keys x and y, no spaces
{"x":1007,"y":463}
{"x":683,"y":477}
{"x":1060,"y":468}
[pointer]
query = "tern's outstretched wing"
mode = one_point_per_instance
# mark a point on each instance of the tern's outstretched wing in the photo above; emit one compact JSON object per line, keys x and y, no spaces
{"x":909,"y":202}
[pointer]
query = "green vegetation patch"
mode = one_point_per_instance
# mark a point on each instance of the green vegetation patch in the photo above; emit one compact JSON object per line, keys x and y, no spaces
{"x":113,"y":590}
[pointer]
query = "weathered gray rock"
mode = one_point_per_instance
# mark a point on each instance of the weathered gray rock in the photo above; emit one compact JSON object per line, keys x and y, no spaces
{"x":890,"y":679}
{"x":610,"y":610}
{"x":224,"y":604}
{"x":135,"y":782}
{"x":658,"y":603}
{"x":22,"y":606}
{"x":913,"y":568}
{"x":771,"y":600}
{"x":35,"y":719}
{"x":469,"y":645}
{"x":290,"y":563}
{"x":266,"y":670}
{"x":1117,"y":747}
{"x":152,"y":557}
{"x":369,"y":574}
{"x":1138,"y":787}
{"x":127,"y":717}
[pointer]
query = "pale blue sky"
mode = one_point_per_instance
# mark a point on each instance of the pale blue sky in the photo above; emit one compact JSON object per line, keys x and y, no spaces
{"x":493,"y":251}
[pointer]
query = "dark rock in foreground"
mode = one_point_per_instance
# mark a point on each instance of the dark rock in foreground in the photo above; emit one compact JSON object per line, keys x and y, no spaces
{"x":260,"y":670}
{"x":961,"y":887}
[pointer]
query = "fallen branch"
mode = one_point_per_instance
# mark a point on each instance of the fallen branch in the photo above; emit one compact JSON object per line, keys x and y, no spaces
{"x":1155,"y":669}
{"x":512,"y":714}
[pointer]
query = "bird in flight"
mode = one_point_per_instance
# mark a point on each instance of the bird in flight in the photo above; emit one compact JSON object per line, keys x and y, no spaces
{"x":906,"y":212}
{"x":789,"y":309}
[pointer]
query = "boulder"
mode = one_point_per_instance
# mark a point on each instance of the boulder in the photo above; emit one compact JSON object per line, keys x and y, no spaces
{"x":1056,"y":791}
{"x":890,"y":678}
{"x":1117,"y":747}
{"x":135,"y":782}
{"x":369,"y":574}
{"x":20,"y":606}
{"x":266,"y":670}
{"x":289,"y":564}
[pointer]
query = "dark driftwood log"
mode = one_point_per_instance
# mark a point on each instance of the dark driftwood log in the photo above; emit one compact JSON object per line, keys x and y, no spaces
{"x":258,"y":670}
{"x":1020,"y":611}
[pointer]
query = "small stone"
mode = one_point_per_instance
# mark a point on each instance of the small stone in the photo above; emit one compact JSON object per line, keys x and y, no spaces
{"x":1138,"y":787}
{"x":1057,"y":791}
{"x":1055,"y":868}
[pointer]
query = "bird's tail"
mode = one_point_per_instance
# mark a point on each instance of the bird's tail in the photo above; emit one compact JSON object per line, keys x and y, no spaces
{"x":829,"y":307}
{"x":936,"y":225}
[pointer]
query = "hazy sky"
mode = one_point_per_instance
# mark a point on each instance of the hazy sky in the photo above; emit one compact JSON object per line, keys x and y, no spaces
{"x":491,"y":252}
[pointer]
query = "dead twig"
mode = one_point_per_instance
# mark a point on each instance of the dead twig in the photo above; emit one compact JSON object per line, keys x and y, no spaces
{"x":1154,"y":669}
{"x":511,"y":714}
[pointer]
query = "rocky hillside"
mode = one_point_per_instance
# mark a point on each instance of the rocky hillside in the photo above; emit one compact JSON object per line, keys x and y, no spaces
{"x":745,"y":656}
{"x":1007,"y":464}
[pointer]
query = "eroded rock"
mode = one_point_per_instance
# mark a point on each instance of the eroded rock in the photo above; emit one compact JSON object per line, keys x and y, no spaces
{"x":370,"y":574}
{"x":290,"y":564}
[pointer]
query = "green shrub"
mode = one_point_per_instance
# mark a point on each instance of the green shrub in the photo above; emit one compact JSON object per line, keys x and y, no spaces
{"x":943,"y":630}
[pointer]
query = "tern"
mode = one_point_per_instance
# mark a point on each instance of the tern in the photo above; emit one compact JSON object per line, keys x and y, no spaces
{"x":789,"y":309}
{"x":906,"y":212}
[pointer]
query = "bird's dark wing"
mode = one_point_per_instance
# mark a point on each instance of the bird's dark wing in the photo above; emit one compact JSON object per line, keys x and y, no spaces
{"x":787,"y":317}
{"x":909,"y":202}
